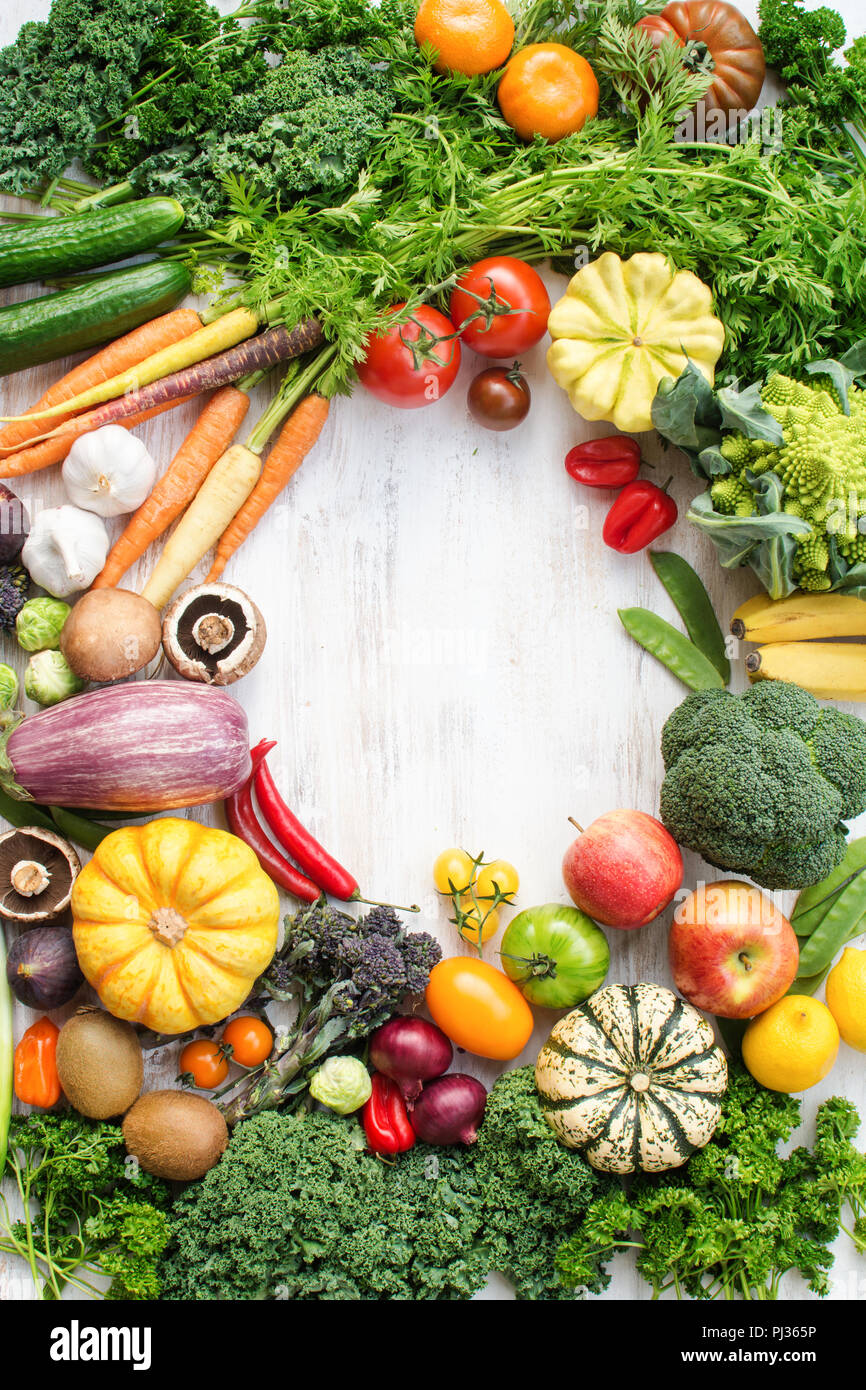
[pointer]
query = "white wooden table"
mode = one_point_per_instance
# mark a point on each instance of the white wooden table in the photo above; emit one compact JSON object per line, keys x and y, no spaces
{"x":445,"y":664}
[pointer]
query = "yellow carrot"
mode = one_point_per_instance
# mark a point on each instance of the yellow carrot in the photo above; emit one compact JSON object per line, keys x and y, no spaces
{"x":224,"y":332}
{"x":221,"y":495}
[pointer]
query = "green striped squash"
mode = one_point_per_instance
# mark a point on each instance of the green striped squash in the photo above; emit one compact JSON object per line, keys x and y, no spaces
{"x":634,"y":1078}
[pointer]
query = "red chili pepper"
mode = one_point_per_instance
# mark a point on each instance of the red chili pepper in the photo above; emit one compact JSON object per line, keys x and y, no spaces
{"x":610,"y":462}
{"x":385,"y":1118}
{"x":316,"y":861}
{"x":36,"y":1079}
{"x":640,"y":514}
{"x":243,"y":822}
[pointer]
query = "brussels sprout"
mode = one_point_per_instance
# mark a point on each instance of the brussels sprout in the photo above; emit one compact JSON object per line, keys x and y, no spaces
{"x":48,"y":679}
{"x":40,"y":622}
{"x":341,"y":1083}
{"x":8,"y":687}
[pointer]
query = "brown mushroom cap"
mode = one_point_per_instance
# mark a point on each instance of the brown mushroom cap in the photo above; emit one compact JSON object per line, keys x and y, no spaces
{"x":37,"y":871}
{"x":213,"y":633}
{"x":110,"y":634}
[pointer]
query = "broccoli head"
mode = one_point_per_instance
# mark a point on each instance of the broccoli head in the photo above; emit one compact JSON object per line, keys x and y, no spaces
{"x":762,"y":783}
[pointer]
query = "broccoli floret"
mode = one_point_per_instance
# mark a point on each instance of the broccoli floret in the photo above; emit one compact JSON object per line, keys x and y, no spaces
{"x":762,"y":783}
{"x":14,"y":587}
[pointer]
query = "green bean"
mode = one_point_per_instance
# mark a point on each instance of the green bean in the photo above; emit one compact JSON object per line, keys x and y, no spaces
{"x":835,"y":928}
{"x":84,"y":832}
{"x":807,"y":912}
{"x":21,"y":813}
{"x":692,"y":602}
{"x":671,"y":648}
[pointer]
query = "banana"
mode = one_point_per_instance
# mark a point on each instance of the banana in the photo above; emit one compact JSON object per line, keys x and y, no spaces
{"x":829,"y":670}
{"x":799,"y":618}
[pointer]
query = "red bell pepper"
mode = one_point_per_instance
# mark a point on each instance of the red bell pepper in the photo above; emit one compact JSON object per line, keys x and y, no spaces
{"x":640,"y":514}
{"x":385,"y":1118}
{"x":610,"y":462}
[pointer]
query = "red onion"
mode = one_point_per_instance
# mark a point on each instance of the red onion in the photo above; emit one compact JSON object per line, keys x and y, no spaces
{"x":410,"y":1051}
{"x":143,"y":746}
{"x":449,"y":1110}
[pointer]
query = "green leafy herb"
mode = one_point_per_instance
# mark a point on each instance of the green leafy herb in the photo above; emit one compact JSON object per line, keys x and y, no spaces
{"x":737,"y":1216}
{"x":87,"y":1209}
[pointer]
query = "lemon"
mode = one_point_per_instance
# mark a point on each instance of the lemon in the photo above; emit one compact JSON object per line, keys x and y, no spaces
{"x":846,"y":997}
{"x":792,"y":1045}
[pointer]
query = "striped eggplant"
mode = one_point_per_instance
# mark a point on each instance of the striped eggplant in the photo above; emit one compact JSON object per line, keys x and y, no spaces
{"x":144,"y":746}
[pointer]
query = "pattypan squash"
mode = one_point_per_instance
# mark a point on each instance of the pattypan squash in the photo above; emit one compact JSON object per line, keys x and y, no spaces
{"x":173,"y":922}
{"x":621,"y":327}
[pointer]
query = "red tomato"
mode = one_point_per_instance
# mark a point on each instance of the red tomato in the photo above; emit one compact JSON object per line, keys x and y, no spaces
{"x":389,"y":371}
{"x":517,"y":286}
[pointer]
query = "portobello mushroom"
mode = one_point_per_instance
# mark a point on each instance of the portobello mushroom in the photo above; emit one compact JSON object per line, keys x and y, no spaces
{"x":37,"y":871}
{"x":213,"y":633}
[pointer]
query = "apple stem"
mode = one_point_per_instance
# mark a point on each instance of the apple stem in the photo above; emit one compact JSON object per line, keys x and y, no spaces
{"x":576,"y":824}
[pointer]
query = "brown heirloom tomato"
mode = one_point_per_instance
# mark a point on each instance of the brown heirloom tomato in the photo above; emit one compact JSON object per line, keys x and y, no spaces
{"x":733,"y":47}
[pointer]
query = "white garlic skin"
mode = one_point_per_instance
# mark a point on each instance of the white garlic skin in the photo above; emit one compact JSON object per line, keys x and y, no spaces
{"x":65,"y":551}
{"x":109,"y":472}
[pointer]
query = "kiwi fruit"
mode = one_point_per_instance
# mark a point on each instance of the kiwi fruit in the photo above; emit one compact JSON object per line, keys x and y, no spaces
{"x":99,"y":1063}
{"x":175,"y":1135}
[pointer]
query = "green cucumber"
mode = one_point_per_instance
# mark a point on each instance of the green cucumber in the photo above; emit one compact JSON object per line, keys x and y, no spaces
{"x":63,"y":245}
{"x":55,"y":325}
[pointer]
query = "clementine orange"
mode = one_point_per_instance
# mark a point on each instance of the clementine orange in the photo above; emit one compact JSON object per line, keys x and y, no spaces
{"x":547,"y":89}
{"x":470,"y":36}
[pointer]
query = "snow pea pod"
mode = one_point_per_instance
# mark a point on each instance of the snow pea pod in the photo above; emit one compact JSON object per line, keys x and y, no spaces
{"x":693,"y":604}
{"x":814,"y":903}
{"x":838,"y":925}
{"x":674,"y":650}
{"x":83,"y":832}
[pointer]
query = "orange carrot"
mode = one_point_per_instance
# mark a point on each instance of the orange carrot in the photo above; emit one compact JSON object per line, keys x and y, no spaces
{"x":206,"y":442}
{"x":55,"y":448}
{"x":117,"y":357}
{"x":294,"y":442}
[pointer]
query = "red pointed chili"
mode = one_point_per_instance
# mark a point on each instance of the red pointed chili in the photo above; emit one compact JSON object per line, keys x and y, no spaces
{"x":243,"y":822}
{"x":641,"y":513}
{"x":297,"y":840}
{"x":385,"y":1118}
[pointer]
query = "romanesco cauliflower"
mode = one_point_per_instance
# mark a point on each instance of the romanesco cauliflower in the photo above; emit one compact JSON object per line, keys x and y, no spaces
{"x":821,"y":465}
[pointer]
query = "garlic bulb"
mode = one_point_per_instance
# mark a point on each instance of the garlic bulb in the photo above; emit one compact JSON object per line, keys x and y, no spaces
{"x":109,"y":472}
{"x":65,"y":550}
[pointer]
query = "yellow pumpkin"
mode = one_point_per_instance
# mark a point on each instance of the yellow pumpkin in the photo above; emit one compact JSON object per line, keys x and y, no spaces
{"x":622,"y":327}
{"x":173,"y":922}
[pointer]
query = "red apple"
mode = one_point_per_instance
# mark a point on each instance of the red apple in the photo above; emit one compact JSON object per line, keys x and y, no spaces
{"x":732,"y":952}
{"x":623,"y":870}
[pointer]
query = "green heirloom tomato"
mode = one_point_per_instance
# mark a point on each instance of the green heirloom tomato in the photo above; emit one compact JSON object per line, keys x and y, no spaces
{"x":341,"y":1083}
{"x":555,"y":954}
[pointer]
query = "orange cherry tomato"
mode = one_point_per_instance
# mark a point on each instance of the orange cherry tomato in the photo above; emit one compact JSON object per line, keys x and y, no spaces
{"x":547,"y":89}
{"x":35,"y":1065}
{"x":205,"y":1062}
{"x":251,"y":1040}
{"x":479,"y":1008}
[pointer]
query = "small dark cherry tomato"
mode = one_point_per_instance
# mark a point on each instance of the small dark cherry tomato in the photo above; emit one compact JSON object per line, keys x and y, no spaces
{"x":205,"y":1062}
{"x":499,"y":399}
{"x":251,"y":1040}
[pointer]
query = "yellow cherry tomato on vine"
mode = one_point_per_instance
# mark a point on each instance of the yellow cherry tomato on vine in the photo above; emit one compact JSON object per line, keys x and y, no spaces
{"x":478,"y":1008}
{"x":488,"y":918}
{"x":251,"y":1040}
{"x":205,"y":1062}
{"x":453,"y":866}
{"x":499,"y":873}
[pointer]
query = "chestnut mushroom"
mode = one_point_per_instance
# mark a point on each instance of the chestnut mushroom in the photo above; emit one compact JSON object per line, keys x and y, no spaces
{"x":213,"y":633}
{"x":37,"y":871}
